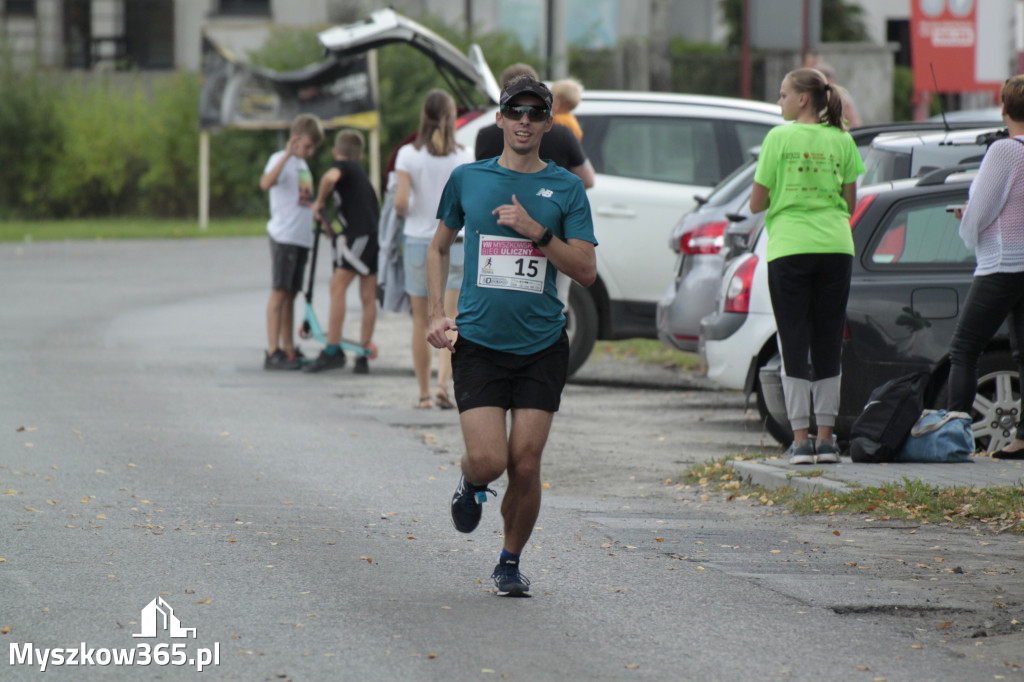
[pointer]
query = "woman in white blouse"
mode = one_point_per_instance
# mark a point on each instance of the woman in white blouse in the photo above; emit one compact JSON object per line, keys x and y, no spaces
{"x":993,"y":225}
{"x":422,"y":168}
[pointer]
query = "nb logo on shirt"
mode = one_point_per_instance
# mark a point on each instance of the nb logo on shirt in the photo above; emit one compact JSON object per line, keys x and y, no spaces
{"x":546,"y":193}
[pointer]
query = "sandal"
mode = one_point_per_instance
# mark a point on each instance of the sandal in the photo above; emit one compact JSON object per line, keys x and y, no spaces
{"x":425,"y":403}
{"x":442,"y":400}
{"x":1009,"y":454}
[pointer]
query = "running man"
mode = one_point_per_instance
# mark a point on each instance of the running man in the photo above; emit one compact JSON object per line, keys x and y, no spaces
{"x":527,"y":218}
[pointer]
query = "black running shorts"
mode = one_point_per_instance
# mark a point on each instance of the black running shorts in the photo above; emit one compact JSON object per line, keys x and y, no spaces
{"x":364,"y":248}
{"x":288,"y":265}
{"x":491,"y":378}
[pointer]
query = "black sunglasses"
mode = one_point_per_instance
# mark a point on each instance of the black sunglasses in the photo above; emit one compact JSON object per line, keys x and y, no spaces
{"x":535,"y":112}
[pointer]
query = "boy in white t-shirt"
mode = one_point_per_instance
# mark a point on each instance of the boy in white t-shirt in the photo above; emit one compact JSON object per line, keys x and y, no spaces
{"x":290,"y":183}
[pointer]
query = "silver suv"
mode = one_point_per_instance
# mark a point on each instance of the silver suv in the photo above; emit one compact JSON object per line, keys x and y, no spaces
{"x":911,"y":155}
{"x":651,"y":152}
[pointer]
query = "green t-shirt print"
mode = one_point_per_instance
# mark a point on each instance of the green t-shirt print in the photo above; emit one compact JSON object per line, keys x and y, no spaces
{"x":804,"y":167}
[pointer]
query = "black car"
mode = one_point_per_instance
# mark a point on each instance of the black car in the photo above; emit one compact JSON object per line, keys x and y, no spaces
{"x":910,"y":279}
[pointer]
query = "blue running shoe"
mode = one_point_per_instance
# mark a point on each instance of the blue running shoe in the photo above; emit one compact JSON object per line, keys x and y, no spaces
{"x":509,"y":581}
{"x":466,"y":505}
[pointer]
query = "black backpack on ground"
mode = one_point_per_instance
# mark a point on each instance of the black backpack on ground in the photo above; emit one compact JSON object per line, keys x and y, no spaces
{"x":886,"y":420}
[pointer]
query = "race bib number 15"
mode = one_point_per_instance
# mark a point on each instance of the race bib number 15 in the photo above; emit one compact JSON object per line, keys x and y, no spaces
{"x":511,"y":263}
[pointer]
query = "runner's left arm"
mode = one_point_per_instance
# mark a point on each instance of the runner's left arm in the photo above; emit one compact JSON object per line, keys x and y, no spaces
{"x":575,"y":257}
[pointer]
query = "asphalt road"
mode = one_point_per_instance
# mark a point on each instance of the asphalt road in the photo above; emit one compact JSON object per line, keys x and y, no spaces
{"x":299,"y":523}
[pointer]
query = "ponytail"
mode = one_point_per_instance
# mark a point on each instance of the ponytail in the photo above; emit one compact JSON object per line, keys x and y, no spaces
{"x":437,"y":124}
{"x":834,"y":106}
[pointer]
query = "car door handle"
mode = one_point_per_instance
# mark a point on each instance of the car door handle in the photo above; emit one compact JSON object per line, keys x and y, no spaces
{"x":615,"y":212}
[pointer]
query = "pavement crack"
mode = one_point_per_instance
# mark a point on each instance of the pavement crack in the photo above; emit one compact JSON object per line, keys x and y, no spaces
{"x":905,"y":610}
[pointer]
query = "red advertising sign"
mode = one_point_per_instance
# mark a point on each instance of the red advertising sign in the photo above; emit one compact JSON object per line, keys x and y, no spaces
{"x":944,"y":35}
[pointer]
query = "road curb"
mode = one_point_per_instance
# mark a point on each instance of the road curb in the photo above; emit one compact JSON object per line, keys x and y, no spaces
{"x":981,"y":472}
{"x":769,"y":476}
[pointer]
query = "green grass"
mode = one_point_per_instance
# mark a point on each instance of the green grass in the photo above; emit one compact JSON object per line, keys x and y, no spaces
{"x":127,"y":228}
{"x":648,"y":351}
{"x":1000,"y":508}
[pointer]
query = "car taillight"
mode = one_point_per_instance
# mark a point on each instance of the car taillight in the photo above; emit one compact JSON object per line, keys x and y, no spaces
{"x":704,"y":239}
{"x":858,"y":210}
{"x":737,"y":294}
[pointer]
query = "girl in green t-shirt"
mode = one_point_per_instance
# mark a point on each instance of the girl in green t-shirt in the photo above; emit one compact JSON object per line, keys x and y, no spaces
{"x":806,"y":179}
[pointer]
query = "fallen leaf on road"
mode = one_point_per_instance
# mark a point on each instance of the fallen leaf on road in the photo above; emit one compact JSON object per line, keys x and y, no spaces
{"x":944,"y":624}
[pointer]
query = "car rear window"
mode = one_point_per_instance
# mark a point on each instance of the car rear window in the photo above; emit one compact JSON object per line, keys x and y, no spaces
{"x":740,"y":180}
{"x":921,"y":234}
{"x":883,"y":165}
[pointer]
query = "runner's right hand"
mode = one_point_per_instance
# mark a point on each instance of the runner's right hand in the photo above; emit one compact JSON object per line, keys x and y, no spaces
{"x":438,"y":337}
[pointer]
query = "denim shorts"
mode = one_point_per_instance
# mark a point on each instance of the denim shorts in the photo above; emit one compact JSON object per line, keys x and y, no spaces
{"x":414,"y":261}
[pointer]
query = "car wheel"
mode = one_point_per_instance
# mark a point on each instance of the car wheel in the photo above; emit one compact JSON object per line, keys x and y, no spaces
{"x":776,"y":429}
{"x":580,"y":326}
{"x":996,"y":409}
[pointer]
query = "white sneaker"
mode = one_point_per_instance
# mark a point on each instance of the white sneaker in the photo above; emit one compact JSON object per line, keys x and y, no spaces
{"x":802,"y":453}
{"x":827,"y":453}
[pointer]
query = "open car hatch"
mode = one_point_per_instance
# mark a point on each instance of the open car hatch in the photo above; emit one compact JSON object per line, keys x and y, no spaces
{"x":387,"y":26}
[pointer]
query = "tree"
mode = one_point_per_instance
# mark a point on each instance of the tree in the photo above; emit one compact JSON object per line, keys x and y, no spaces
{"x":841,"y":21}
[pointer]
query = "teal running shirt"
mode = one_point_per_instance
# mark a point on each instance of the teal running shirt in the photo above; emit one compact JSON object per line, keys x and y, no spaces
{"x":509,"y":301}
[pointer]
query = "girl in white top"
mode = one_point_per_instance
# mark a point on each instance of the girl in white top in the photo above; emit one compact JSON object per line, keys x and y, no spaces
{"x":422,"y":168}
{"x":993,"y":225}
